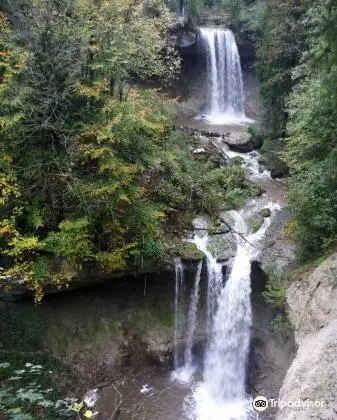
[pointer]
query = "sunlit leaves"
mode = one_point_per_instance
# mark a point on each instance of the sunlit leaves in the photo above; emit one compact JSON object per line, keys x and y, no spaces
{"x":72,"y":241}
{"x":117,"y":259}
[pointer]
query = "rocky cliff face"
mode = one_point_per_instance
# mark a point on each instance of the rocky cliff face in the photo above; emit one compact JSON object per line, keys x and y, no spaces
{"x":271,"y":353}
{"x":312,"y":300}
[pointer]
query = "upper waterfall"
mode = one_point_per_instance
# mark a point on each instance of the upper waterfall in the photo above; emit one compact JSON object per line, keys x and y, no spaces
{"x":225,"y":98}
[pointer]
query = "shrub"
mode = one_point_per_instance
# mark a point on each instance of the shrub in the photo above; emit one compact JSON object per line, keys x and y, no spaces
{"x":281,"y":325}
{"x":275,"y":289}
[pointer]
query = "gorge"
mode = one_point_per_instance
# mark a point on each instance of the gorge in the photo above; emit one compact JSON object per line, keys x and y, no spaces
{"x":215,"y":308}
{"x":153,"y":260}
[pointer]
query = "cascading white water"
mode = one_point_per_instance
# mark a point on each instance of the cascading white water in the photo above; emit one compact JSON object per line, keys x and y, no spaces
{"x":183,"y":370}
{"x":192,"y":320}
{"x":221,"y":394}
{"x":225,"y":364}
{"x":225,"y":104}
{"x":178,"y":303}
{"x":214,"y":280}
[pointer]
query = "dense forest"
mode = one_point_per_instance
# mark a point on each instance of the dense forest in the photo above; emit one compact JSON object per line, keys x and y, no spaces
{"x":92,"y":170}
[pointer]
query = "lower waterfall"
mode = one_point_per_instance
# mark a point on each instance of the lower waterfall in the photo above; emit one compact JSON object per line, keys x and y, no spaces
{"x":192,"y":321}
{"x":214,"y":280}
{"x":184,"y":369}
{"x":178,"y":306}
{"x":225,"y":361}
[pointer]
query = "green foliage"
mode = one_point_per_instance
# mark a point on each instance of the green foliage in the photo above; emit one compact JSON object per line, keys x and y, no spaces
{"x":225,"y":188}
{"x":195,"y":9}
{"x":81,"y":412}
{"x":26,"y":395}
{"x":282,"y":41}
{"x":281,"y":325}
{"x":253,"y":131}
{"x":254,"y":223}
{"x":275,"y":289}
{"x":22,"y":396}
{"x":234,"y":9}
{"x":311,"y":149}
{"x":71,"y":242}
{"x":297,"y":67}
{"x":275,"y":296}
{"x":91,"y":171}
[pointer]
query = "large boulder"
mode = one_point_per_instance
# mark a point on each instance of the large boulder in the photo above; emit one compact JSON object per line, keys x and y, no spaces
{"x":241,"y":141}
{"x":266,"y":212}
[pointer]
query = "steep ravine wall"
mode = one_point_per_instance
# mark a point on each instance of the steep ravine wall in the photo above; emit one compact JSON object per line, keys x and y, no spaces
{"x":312,"y":301}
{"x":97,"y":333}
{"x":271,"y":353}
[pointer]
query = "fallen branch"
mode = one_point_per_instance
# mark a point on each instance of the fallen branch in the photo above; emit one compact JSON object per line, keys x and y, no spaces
{"x":118,"y":402}
{"x":236,"y":232}
{"x":219,"y":149}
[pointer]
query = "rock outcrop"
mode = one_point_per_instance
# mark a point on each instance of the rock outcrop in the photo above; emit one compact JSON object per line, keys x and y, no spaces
{"x":277,"y":252}
{"x":241,"y":141}
{"x":312,"y":301}
{"x":271,"y":353}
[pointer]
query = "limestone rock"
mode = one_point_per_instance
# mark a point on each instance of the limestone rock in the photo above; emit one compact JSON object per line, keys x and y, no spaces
{"x":190,"y":252}
{"x":312,"y":302}
{"x":312,"y":376}
{"x":312,"y":299}
{"x":222,"y":246}
{"x":255,"y":222}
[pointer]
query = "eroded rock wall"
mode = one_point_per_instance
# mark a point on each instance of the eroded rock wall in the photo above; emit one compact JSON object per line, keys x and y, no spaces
{"x":312,"y":300}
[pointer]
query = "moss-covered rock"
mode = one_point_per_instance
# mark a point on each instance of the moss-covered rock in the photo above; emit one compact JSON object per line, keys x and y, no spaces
{"x":270,"y":150}
{"x":265,"y":212}
{"x":190,"y":252}
{"x":222,"y":246}
{"x":255,"y":222}
{"x":255,"y":190}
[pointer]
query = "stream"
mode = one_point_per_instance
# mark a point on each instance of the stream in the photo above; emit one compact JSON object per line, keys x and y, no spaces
{"x":211,"y":384}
